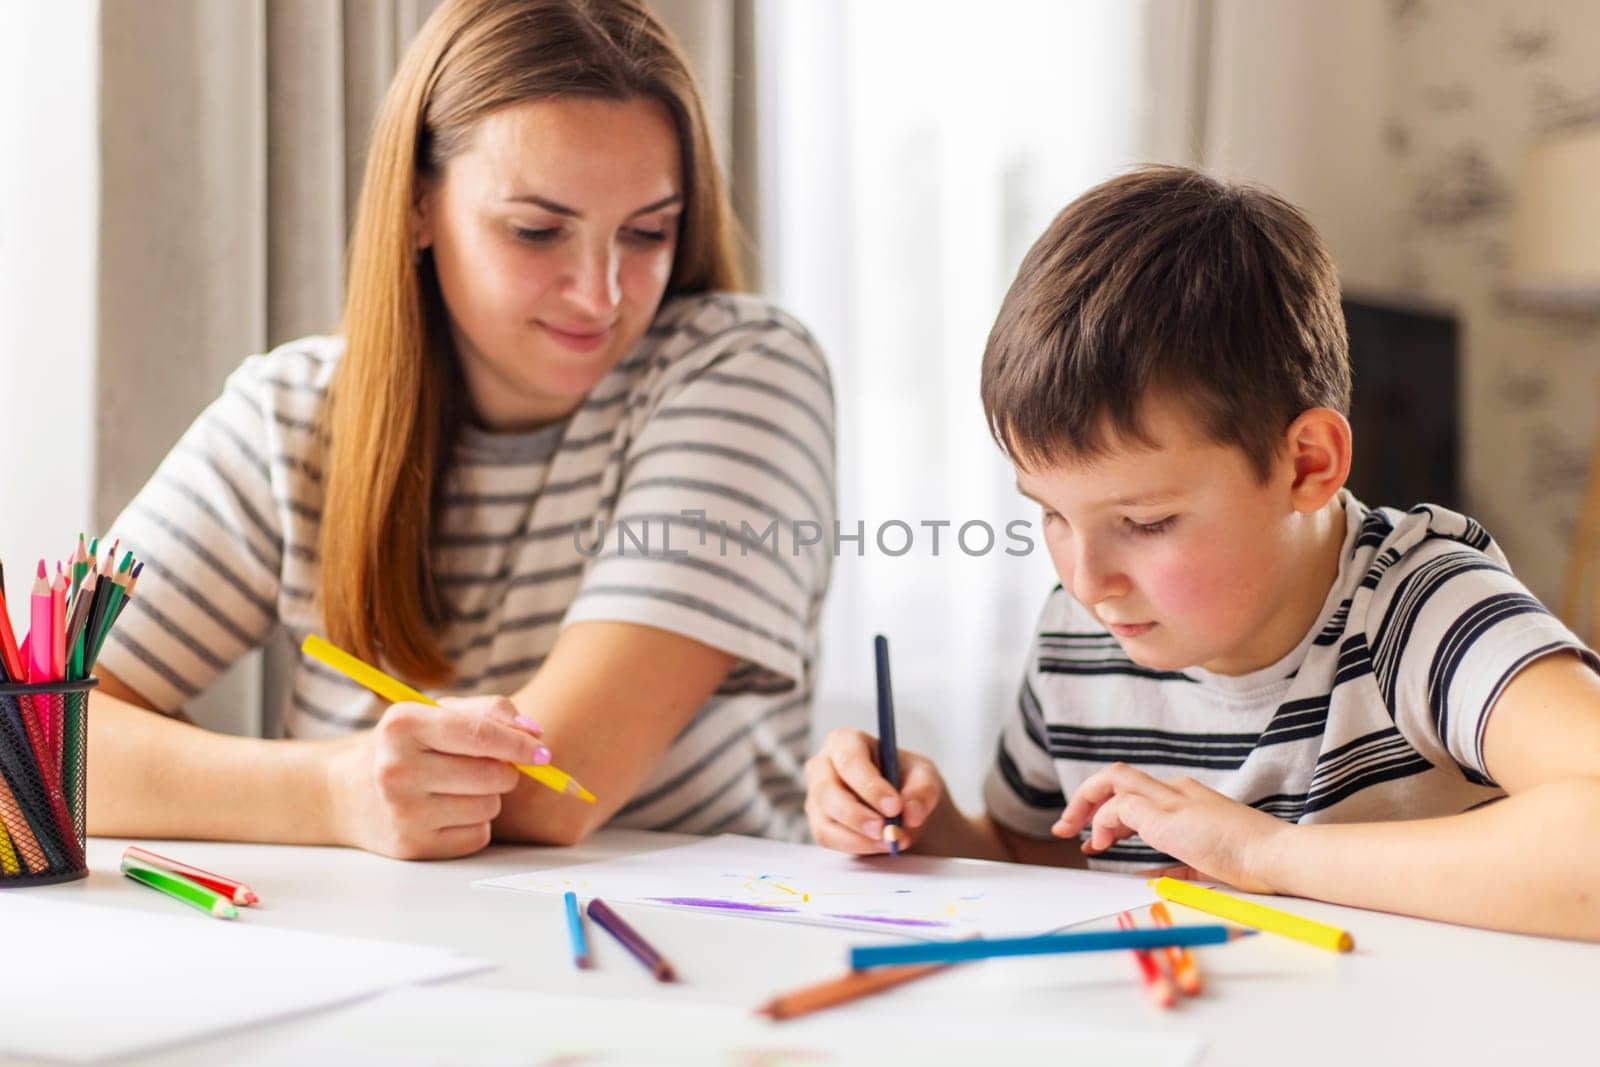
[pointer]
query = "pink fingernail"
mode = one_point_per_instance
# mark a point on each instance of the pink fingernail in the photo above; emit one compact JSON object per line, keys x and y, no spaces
{"x":528,"y":724}
{"x":541,"y":755}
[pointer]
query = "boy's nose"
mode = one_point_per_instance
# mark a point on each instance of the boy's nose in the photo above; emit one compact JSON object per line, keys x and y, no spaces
{"x":1094,"y":580}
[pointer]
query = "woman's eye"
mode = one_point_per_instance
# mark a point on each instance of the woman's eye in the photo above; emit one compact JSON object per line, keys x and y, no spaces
{"x":535,"y":236}
{"x":1152,"y":528}
{"x":653,"y":237}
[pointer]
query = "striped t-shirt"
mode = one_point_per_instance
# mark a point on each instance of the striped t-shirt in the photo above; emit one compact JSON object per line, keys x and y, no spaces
{"x":1378,"y":714}
{"x":695,"y":456}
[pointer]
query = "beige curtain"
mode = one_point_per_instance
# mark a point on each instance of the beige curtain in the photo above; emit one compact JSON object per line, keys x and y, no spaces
{"x":232,"y":141}
{"x":233,"y":137}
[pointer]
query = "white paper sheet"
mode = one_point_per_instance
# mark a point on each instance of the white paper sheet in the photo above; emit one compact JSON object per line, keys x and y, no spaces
{"x":79,"y":982}
{"x":500,"y":1028}
{"x":914,"y":896}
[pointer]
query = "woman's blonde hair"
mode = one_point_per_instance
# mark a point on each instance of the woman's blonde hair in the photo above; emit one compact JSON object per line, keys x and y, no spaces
{"x":398,"y":400}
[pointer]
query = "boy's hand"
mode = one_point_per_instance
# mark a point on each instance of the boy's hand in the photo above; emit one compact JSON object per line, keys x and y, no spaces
{"x":1218,"y":838}
{"x":847,"y":797}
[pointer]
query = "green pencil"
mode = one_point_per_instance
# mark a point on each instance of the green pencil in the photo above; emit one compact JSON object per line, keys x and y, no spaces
{"x":181,"y":888}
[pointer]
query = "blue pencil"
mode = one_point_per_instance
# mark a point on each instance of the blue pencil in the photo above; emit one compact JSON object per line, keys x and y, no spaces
{"x":580,"y":943}
{"x":888,"y":749}
{"x":1042,"y":945}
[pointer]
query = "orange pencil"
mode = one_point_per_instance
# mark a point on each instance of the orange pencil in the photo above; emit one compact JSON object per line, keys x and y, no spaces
{"x":852,"y":985}
{"x":1155,"y":983}
{"x":1185,"y":968}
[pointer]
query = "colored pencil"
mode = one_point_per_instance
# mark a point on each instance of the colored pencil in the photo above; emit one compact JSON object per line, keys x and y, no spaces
{"x":395,"y":691}
{"x":236,"y":891}
{"x":17,"y":828}
{"x":1257,"y":916}
{"x":26,"y":774}
{"x":77,"y":621}
{"x":39,"y":636}
{"x":888,"y":748}
{"x":1185,"y":968}
{"x":80,"y":566}
{"x":575,"y":934}
{"x":178,"y":887}
{"x":8,"y":855}
{"x":642,"y":950}
{"x":865,"y":956}
{"x":58,"y":625}
{"x":852,"y":985}
{"x":16,"y":670}
{"x":1156,"y":985}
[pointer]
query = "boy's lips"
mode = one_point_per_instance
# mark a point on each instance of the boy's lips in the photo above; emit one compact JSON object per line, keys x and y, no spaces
{"x":1130,"y":629}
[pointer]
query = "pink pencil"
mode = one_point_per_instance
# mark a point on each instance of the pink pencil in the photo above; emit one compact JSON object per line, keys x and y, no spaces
{"x":41,"y":633}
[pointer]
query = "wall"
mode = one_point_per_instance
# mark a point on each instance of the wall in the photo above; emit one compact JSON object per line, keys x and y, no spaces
{"x":1472,"y":87}
{"x":49,"y":82}
{"x":1399,"y":126}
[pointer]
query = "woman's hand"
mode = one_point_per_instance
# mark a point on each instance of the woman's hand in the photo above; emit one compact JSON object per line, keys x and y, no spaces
{"x":426,"y":782}
{"x":847,"y":797}
{"x":1218,"y":838}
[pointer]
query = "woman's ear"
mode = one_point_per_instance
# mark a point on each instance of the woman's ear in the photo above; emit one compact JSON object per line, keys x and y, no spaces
{"x":423,"y":211}
{"x":1318,"y":445}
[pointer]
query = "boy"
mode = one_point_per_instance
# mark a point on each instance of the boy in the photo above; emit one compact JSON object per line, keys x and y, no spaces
{"x":1245,"y":672}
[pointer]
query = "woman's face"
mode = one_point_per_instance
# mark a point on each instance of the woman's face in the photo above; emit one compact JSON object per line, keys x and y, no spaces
{"x":553,"y":236}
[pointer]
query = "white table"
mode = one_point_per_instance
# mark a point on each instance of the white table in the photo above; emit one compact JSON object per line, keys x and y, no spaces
{"x":1413,"y":992}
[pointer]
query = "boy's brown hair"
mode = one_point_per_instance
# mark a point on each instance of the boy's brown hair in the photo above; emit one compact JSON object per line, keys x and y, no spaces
{"x":1164,"y":278}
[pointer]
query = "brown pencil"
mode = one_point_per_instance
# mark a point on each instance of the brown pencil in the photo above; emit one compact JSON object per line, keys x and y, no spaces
{"x":852,"y":985}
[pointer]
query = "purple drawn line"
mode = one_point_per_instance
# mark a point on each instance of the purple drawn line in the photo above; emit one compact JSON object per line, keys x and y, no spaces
{"x":890,"y":921}
{"x":726,"y":905}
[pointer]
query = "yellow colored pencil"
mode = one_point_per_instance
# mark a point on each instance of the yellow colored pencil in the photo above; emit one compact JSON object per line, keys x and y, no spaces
{"x":1259,"y":916}
{"x":395,"y":691}
{"x":8,"y":855}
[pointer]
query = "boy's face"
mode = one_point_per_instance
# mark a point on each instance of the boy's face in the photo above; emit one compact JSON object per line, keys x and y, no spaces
{"x":1179,"y":550}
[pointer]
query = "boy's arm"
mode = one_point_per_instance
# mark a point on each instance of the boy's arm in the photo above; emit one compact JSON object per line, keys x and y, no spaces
{"x":1529,"y":863}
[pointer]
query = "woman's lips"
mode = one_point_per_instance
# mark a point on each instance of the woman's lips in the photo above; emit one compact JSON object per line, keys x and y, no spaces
{"x":579,"y":340}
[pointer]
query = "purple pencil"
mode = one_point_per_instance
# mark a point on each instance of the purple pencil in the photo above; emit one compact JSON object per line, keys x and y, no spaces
{"x":613,"y":924}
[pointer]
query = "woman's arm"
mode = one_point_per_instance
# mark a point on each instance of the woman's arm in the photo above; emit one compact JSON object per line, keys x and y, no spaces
{"x":154,"y":776}
{"x":424,"y":783}
{"x":611,"y":697}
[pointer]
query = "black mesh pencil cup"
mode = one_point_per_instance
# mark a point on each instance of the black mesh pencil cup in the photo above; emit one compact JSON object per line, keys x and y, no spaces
{"x":43,"y":760}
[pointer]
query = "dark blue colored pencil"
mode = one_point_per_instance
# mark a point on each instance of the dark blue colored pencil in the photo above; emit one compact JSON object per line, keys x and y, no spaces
{"x":888,"y":750}
{"x":1042,"y":945}
{"x":580,"y":943}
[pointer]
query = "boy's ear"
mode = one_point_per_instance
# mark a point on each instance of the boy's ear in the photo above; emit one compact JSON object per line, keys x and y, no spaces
{"x":1318,"y":448}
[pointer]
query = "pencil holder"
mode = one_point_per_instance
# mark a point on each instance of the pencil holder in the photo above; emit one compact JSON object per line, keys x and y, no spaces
{"x":43,"y":760}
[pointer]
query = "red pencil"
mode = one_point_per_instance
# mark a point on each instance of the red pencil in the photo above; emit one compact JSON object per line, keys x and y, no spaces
{"x":237,"y":892}
{"x":1155,"y":982}
{"x":15,"y":668}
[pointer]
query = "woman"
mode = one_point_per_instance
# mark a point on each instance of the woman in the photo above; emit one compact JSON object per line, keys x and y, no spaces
{"x":539,"y":342}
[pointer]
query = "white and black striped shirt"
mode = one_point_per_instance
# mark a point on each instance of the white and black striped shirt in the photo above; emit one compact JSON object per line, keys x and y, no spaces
{"x":1378,"y":714}
{"x":725,"y":409}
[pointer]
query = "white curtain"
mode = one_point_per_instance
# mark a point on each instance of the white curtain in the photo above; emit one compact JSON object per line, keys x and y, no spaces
{"x":911,"y":152}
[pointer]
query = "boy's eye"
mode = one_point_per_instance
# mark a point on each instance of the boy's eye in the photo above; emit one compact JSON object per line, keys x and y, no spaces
{"x":1152,"y":528}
